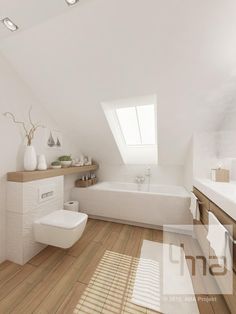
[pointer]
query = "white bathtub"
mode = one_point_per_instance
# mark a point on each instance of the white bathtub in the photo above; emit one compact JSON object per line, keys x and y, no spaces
{"x":161,"y":205}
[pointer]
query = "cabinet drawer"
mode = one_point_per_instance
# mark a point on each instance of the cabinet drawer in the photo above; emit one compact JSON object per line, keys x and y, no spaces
{"x":223,"y":217}
{"x":205,"y":206}
{"x":225,"y":220}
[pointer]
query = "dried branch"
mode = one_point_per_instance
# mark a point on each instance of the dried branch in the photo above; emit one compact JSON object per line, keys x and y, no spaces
{"x":30,"y":119}
{"x":15,"y":121}
{"x":33,"y":129}
{"x":29,"y":134}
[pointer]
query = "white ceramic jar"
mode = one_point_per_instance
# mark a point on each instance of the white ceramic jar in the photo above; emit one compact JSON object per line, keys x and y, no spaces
{"x":42,"y":164}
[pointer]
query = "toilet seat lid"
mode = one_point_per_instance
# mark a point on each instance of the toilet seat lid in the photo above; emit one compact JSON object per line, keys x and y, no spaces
{"x":63,"y":219}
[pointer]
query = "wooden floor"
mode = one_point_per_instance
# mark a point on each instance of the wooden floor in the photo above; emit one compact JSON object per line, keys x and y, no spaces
{"x":55,"y":279}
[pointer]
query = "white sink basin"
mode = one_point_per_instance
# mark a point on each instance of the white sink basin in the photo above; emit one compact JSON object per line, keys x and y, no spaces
{"x":222,"y":194}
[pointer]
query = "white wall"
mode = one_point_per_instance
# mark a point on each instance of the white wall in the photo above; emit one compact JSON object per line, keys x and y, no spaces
{"x":204,"y":154}
{"x":211,"y":150}
{"x":23,"y":208}
{"x":79,"y":59}
{"x":16,"y":97}
{"x":227,"y":141}
{"x":188,"y":167}
{"x":172,"y":175}
{"x":227,"y":134}
{"x":229,"y":119}
{"x":72,"y":71}
{"x":201,"y":157}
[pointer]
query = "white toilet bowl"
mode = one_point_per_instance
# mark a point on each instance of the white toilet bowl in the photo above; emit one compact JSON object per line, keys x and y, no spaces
{"x":61,"y":228}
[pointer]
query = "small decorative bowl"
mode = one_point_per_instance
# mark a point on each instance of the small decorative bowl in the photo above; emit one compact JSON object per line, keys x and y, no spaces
{"x":66,"y":164}
{"x":56,"y":167}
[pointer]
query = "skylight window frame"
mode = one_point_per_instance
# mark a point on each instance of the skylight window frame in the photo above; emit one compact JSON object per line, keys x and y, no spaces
{"x":142,"y":154}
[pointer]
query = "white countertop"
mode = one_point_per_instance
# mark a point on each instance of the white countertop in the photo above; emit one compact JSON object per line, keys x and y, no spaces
{"x":222,"y":194}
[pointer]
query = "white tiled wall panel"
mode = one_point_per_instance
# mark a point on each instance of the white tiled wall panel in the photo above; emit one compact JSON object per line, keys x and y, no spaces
{"x":23,"y":208}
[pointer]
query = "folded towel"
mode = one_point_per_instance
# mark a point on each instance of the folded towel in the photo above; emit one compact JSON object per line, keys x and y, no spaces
{"x":219,"y":239}
{"x":194,"y":207}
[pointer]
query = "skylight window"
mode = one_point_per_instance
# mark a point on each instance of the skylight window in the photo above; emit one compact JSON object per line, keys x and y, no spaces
{"x":137,"y":124}
{"x":133,"y":123}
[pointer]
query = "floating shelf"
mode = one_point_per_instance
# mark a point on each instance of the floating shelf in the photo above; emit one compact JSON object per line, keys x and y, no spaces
{"x":26,"y":176}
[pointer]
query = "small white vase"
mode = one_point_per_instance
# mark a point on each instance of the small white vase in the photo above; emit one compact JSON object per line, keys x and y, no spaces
{"x":30,"y":158}
{"x":42,"y":165}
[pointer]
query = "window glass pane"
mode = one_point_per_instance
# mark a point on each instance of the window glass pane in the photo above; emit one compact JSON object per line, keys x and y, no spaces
{"x":129,"y":125}
{"x":146,"y":117}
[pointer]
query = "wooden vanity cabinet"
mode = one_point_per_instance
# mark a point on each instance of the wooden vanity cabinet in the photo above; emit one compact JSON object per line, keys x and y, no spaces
{"x":206,"y":205}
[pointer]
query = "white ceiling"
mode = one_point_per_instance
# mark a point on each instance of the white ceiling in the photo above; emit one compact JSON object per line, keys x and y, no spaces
{"x":74,"y":58}
{"x":26,"y":13}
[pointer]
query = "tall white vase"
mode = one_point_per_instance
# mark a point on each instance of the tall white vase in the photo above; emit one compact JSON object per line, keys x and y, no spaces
{"x":30,"y":158}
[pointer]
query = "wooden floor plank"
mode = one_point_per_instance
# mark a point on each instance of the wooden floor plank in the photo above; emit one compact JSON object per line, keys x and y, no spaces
{"x":104,"y":233}
{"x":116,"y":227}
{"x":157,"y":235}
{"x":147,"y":234}
{"x":42,"y":256}
{"x":4,"y":265}
{"x":107,"y":244}
{"x":89,"y":236}
{"x":72,"y":299}
{"x":122,"y":239}
{"x":54,"y":280}
{"x":57,"y":295}
{"x":40,"y":291}
{"x":134,"y":242}
{"x":8,"y":303}
{"x":111,"y":240}
{"x":85,"y":276}
{"x":14,"y":281}
{"x":8,"y":272}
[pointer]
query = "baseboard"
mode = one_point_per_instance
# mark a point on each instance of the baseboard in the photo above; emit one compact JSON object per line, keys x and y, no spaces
{"x":144,"y":225}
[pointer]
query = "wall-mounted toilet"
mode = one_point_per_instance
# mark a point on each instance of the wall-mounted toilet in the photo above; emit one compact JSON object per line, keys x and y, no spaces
{"x":61,"y":228}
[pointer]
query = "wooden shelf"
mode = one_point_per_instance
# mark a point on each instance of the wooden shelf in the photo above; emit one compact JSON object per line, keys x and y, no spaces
{"x":26,"y":176}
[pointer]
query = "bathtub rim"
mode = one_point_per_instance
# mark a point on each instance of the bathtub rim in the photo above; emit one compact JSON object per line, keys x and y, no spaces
{"x":95,"y":187}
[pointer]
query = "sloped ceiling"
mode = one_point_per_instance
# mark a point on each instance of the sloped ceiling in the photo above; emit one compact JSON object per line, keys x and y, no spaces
{"x":74,"y":58}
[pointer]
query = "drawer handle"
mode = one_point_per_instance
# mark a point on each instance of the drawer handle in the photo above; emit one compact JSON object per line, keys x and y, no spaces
{"x":231,"y":238}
